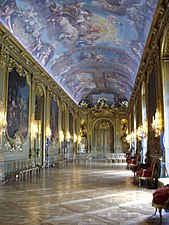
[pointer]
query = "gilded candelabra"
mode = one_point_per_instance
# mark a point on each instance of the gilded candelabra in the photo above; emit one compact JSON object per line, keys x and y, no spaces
{"x":157,"y":123}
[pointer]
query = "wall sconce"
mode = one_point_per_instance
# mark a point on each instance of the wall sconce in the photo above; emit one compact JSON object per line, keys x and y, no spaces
{"x":34,"y":129}
{"x":145,"y":128}
{"x":133,"y":136}
{"x":68,"y":136}
{"x":79,"y":138}
{"x":128,"y":138}
{"x":48,"y":132}
{"x":75,"y":138}
{"x":142,"y":130}
{"x":3,"y":122}
{"x":61,"y":136}
{"x":157,"y":123}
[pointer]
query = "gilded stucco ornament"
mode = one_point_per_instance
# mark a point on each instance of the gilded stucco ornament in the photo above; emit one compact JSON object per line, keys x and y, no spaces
{"x":17,"y":143}
{"x":19,"y":68}
{"x":25,"y":59}
{"x":102,"y":108}
{"x":84,"y":105}
{"x":53,"y":96}
{"x":14,"y":50}
{"x":166,"y":46}
{"x":4,"y":57}
{"x":39,"y":91}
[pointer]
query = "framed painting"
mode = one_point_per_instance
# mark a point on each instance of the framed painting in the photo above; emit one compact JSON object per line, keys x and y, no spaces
{"x":17,"y":105}
{"x":71,"y":123}
{"x":54,"y":119}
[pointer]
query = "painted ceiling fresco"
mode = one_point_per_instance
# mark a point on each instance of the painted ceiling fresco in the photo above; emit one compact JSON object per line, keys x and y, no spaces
{"x":92,"y":49}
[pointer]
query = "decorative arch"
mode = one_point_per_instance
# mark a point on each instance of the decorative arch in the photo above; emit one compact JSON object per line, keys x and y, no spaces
{"x":38,"y":121}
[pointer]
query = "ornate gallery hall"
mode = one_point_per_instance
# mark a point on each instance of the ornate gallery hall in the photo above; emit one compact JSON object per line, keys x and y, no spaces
{"x":84,"y":112}
{"x":80,"y":193}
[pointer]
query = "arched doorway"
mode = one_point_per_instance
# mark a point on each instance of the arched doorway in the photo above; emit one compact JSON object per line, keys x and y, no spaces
{"x":103,"y":138}
{"x":39,"y":121}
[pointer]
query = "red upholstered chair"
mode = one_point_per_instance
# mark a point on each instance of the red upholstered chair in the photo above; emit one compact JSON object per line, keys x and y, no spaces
{"x":131,"y":161}
{"x":161,"y":200}
{"x":146,"y":174}
{"x":139,"y":166}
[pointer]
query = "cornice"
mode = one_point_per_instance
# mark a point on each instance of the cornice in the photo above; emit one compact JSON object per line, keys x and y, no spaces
{"x":165,"y":43}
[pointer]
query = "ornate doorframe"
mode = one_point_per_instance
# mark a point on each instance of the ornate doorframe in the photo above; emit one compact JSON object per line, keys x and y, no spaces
{"x":103,"y":137}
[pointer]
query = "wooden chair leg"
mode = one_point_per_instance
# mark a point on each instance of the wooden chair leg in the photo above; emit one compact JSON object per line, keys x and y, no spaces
{"x":160,"y":212}
{"x":155,"y":211}
{"x":134,"y":178}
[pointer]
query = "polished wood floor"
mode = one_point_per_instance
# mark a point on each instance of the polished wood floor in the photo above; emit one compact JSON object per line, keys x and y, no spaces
{"x":78,"y":194}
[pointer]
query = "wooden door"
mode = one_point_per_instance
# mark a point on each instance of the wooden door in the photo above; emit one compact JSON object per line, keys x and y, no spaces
{"x":103,"y":138}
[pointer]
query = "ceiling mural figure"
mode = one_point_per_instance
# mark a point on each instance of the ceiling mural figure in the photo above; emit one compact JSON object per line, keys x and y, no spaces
{"x":90,"y":48}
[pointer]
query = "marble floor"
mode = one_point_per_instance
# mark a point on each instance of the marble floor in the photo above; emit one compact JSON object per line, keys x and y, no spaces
{"x":78,"y":194}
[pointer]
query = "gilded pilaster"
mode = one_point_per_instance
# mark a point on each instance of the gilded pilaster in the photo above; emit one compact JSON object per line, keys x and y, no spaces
{"x":4,"y":57}
{"x":59,"y":124}
{"x":117,"y":142}
{"x":90,"y":133}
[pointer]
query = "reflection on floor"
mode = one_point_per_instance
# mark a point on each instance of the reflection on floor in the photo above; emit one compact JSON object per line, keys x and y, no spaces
{"x":83,"y":194}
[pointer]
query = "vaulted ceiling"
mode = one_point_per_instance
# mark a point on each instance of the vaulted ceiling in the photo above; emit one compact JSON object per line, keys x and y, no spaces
{"x":92,"y":49}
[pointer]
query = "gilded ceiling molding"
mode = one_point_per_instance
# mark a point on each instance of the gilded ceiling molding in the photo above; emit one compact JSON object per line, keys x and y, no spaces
{"x":4,"y":57}
{"x":63,"y":106}
{"x":71,"y":111}
{"x":102,"y":109}
{"x":39,"y":90}
{"x":53,"y":96}
{"x":11,"y":63}
{"x":61,"y":95}
{"x":75,"y":115}
{"x":165,"y":43}
{"x":38,"y":87}
{"x":150,"y":69}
